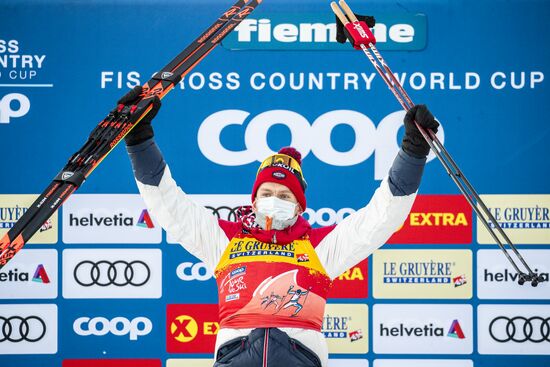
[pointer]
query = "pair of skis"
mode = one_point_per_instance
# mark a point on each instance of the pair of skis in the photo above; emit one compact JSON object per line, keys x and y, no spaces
{"x":365,"y":40}
{"x":115,"y":127}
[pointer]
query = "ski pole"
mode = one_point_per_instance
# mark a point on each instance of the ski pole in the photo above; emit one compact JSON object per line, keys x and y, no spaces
{"x":364,"y":39}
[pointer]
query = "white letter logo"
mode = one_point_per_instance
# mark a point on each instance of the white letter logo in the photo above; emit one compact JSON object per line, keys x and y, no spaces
{"x":6,"y":112}
{"x":197,"y":272}
{"x":306,"y":137}
{"x":118,"y":326}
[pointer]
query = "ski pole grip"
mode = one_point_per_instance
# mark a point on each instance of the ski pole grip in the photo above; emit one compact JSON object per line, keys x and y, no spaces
{"x":348,"y":11}
{"x":339,"y":13}
{"x":361,"y":34}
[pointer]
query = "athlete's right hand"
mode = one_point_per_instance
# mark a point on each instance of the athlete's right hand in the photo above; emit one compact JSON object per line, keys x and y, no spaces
{"x":143,"y":131}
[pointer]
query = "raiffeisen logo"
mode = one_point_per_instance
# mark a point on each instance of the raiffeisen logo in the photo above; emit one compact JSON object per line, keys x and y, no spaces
{"x":317,"y":31}
{"x":144,"y":220}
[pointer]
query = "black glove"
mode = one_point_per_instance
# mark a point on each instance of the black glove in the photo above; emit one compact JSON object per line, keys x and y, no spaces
{"x":342,"y":33}
{"x":413,"y":141}
{"x":143,"y":130}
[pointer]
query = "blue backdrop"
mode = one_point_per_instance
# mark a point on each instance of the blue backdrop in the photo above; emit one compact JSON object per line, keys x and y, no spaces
{"x":82,"y":56}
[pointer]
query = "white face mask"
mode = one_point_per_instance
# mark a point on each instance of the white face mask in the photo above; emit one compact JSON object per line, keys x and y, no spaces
{"x":282,"y":212}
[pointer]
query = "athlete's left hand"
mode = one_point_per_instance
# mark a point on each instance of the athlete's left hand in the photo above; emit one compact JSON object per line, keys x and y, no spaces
{"x":413,"y":141}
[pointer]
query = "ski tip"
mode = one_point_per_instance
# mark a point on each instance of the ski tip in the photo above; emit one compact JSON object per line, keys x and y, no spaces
{"x":9,"y":249}
{"x":4,"y":243}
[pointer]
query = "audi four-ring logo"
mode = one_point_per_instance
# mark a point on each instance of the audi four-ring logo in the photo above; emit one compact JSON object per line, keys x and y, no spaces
{"x":225,"y":212}
{"x":118,"y":273}
{"x":16,"y":329}
{"x":520,"y":329}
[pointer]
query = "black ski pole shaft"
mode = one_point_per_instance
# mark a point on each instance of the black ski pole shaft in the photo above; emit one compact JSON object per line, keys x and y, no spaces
{"x":468,"y":195}
{"x":483,"y":206}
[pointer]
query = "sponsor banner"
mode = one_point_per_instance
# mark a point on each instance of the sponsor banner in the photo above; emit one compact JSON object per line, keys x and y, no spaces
{"x":423,"y":363}
{"x":513,"y":329}
{"x":31,"y":274}
{"x":112,"y":273}
{"x":112,"y":363}
{"x":12,"y":207}
{"x":221,"y":206}
{"x":346,"y":328}
{"x":317,"y":31}
{"x":353,"y":283}
{"x":422,"y":329}
{"x":309,"y":136}
{"x":121,"y":327}
{"x":435,"y":274}
{"x":191,"y":328}
{"x":205,"y":362}
{"x":497,"y":279}
{"x":28,"y":329}
{"x":102,"y":218}
{"x":524,"y":218}
{"x":436,"y":219}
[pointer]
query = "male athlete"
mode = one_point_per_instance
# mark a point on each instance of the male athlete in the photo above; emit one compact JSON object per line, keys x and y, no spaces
{"x":271,"y":249}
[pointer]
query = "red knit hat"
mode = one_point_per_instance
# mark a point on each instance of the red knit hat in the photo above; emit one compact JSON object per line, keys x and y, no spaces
{"x":284,"y":168}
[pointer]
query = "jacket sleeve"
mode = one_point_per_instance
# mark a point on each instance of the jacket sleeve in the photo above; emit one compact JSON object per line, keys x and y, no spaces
{"x":191,"y":225}
{"x":359,"y":234}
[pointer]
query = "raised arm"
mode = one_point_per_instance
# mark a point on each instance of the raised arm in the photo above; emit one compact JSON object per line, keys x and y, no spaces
{"x":191,"y":225}
{"x":358,"y":235}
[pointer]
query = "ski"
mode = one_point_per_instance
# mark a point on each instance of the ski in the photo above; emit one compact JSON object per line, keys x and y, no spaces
{"x":113,"y":128}
{"x":363,"y":39}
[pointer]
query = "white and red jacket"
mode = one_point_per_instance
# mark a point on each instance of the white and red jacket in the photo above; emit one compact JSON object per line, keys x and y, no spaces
{"x":263,"y":284}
